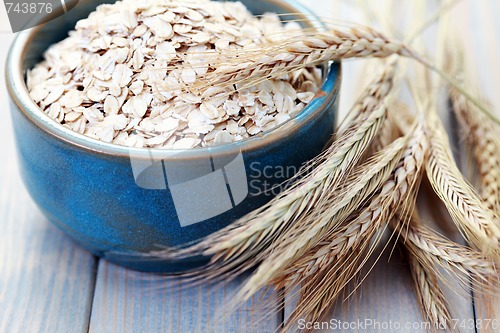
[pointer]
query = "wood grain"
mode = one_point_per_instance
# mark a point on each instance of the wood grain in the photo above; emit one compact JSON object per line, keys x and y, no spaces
{"x":127,"y":301}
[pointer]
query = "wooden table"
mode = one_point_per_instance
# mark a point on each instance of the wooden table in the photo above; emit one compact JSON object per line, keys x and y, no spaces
{"x":49,"y":284}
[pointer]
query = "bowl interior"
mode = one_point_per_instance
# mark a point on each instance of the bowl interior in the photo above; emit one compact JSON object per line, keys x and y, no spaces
{"x":30,"y":45}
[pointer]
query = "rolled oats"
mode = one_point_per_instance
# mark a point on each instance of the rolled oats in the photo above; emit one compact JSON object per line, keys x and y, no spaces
{"x":124,"y":75}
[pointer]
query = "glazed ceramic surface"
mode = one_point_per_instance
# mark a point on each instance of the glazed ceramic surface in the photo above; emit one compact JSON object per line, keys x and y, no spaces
{"x":119,"y":202}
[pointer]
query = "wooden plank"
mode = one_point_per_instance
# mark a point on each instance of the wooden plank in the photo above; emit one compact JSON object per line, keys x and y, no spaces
{"x":46,"y":281}
{"x":128,"y":301}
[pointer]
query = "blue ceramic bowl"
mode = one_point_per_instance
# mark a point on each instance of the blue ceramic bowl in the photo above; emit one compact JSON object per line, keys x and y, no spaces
{"x":113,"y":199}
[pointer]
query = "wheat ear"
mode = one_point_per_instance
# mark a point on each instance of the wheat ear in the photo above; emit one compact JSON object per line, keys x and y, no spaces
{"x":434,"y":250}
{"x":429,"y":294}
{"x":484,"y":137}
{"x":243,"y":244}
{"x":307,"y":50}
{"x":471,"y":215}
{"x":394,"y":192}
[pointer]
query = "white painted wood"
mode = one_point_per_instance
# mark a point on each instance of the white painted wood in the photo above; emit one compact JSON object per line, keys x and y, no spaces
{"x":127,"y":301}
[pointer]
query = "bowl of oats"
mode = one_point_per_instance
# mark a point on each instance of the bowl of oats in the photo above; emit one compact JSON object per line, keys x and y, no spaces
{"x":124,"y":144}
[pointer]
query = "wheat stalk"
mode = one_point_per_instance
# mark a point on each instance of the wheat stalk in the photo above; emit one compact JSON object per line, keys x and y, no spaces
{"x":244,"y":68}
{"x":470,"y":214}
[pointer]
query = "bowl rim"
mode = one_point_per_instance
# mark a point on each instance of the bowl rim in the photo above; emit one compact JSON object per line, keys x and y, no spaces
{"x":17,"y":89}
